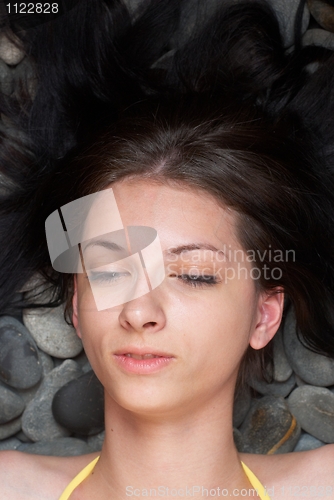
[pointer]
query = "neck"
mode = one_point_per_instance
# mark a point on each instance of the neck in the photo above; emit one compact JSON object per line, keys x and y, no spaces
{"x":191,"y":450}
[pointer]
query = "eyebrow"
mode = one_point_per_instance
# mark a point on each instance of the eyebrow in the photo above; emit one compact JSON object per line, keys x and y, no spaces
{"x":171,"y":251}
{"x":110,"y":245}
{"x":193,"y":246}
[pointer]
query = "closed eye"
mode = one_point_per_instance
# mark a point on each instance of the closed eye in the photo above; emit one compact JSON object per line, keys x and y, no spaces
{"x":107,"y":277}
{"x":198,"y":280}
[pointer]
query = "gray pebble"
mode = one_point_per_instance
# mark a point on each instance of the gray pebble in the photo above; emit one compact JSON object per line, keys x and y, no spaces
{"x":307,"y":442}
{"x":11,"y":428}
{"x":313,"y":368}
{"x":313,"y":407}
{"x":286,"y":11}
{"x":319,"y":38}
{"x":19,"y":363}
{"x":95,"y":442}
{"x":237,"y":438}
{"x":300,"y":382}
{"x":51,"y":333}
{"x":82,"y":361}
{"x":269,"y":428}
{"x":22,"y":437}
{"x":275,"y":388}
{"x":241,"y":406}
{"x":10,"y":444}
{"x":11,"y":405}
{"x":62,"y":447}
{"x":28,"y":394}
{"x":282,"y":369}
{"x":37,"y":419}
{"x":46,"y":362}
{"x":323,"y":13}
{"x":10,"y":53}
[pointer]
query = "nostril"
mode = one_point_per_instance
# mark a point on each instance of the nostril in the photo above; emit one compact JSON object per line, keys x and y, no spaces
{"x":150,"y":323}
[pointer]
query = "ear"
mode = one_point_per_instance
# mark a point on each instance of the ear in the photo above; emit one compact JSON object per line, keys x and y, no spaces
{"x":75,"y":319}
{"x":269,"y":316}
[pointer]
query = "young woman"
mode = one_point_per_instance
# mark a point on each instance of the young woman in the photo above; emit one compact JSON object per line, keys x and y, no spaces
{"x":214,"y":171}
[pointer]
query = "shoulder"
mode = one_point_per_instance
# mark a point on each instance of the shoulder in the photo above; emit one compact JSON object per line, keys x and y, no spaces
{"x":306,"y":473}
{"x":24,"y":476}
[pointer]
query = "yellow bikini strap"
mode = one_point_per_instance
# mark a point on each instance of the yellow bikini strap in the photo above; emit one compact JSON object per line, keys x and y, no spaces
{"x":78,"y":479}
{"x":255,"y":482}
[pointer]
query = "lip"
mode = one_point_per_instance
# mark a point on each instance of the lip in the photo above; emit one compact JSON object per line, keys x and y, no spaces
{"x":141,"y":351}
{"x":142,"y":366}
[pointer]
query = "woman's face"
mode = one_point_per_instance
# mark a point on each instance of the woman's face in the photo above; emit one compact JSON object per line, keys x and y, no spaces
{"x":202,"y":317}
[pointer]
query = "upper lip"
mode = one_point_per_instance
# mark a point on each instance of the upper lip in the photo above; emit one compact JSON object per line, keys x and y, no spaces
{"x":141,"y":351}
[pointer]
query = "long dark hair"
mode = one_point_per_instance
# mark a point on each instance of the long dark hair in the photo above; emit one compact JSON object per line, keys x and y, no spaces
{"x":229,"y":113}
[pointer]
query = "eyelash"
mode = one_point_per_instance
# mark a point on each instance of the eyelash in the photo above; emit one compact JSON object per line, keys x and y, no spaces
{"x":105,"y":277}
{"x":188,"y":279}
{"x":198,"y":281}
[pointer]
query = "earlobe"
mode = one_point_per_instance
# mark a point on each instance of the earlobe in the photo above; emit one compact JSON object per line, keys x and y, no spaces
{"x":75,"y":320}
{"x":270,"y":310}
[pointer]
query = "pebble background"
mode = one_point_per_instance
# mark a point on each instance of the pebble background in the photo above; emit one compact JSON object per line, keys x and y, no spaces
{"x":50,"y":400}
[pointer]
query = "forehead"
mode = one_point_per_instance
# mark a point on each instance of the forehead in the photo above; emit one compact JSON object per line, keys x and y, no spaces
{"x":176,"y":212}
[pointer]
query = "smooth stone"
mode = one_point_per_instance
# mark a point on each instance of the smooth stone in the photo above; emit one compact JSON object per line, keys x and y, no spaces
{"x":47,"y":365}
{"x":22,"y":437}
{"x":11,"y":428}
{"x":46,"y":362}
{"x":241,"y":406}
{"x":19,"y":363}
{"x":237,"y":438}
{"x":10,"y":53}
{"x":62,"y":447}
{"x":300,"y":382}
{"x":79,"y":405}
{"x":87,"y":367}
{"x":11,"y":405}
{"x":313,"y":407}
{"x":51,"y":333}
{"x":28,"y":394}
{"x":95,"y":442}
{"x":323,"y":13}
{"x":38,"y":422}
{"x":9,"y":444}
{"x":282,"y":369}
{"x":313,"y":368}
{"x":269,"y":428}
{"x":307,"y":442}
{"x":6,"y":79}
{"x":319,"y":38}
{"x":286,"y":11}
{"x":82,"y":361}
{"x":275,"y":388}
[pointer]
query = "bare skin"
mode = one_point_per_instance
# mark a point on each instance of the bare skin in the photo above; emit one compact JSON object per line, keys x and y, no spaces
{"x":157,"y":435}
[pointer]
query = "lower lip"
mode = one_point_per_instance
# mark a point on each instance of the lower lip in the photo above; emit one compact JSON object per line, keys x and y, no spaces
{"x":142,"y":366}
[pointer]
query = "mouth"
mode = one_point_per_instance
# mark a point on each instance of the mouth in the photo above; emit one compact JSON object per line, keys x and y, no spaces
{"x":143,"y":353}
{"x":144,"y":356}
{"x":142,"y":361}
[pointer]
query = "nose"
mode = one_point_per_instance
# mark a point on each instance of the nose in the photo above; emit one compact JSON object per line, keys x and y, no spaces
{"x":143,"y":314}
